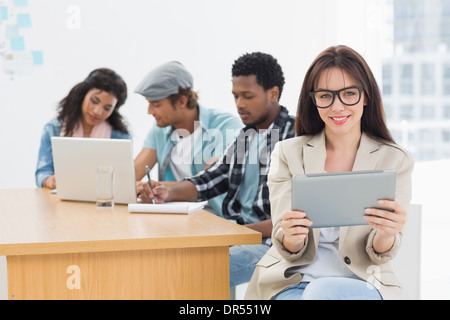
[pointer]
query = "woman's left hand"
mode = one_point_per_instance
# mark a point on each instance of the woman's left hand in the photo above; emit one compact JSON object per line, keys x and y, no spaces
{"x":388,"y":223}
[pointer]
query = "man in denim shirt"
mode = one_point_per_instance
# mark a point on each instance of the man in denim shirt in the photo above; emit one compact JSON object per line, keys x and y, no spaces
{"x":187,"y":137}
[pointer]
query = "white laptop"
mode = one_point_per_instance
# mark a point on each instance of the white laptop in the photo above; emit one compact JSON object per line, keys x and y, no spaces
{"x":75,"y":161}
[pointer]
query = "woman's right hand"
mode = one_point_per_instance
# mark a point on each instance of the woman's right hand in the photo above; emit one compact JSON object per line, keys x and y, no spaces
{"x":295,"y":230}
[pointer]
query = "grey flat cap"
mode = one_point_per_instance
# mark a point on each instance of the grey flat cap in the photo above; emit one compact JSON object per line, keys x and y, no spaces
{"x":164,"y":81}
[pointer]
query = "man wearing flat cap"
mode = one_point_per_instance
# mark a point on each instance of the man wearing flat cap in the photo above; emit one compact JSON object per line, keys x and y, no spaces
{"x":241,"y":173}
{"x":187,"y":137}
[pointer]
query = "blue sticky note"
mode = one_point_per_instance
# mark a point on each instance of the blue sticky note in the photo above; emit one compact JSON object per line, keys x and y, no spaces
{"x":12,"y":31}
{"x":38,"y":57}
{"x":3,"y":13}
{"x":20,"y":3}
{"x":24,"y":20}
{"x":18,"y":44}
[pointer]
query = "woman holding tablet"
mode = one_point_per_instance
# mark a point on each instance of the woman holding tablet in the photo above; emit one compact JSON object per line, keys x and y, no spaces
{"x":340,"y":127}
{"x":90,"y":110}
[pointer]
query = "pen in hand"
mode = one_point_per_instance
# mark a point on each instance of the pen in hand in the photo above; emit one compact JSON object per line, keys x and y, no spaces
{"x":150,"y":183}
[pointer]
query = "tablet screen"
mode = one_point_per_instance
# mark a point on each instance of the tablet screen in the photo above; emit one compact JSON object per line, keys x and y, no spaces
{"x":339,"y":198}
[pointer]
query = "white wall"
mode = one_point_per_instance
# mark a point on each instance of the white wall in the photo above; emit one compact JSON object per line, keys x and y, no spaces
{"x":132,"y":37}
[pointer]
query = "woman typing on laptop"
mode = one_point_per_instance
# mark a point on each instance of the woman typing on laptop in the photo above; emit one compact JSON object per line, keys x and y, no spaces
{"x":340,"y":127}
{"x":90,"y":110}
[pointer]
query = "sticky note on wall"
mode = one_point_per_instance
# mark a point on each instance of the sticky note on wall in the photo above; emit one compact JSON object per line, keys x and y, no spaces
{"x":24,"y":20}
{"x":3,"y":13}
{"x":20,"y":3}
{"x":38,"y":57}
{"x":12,"y":31}
{"x":18,"y":44}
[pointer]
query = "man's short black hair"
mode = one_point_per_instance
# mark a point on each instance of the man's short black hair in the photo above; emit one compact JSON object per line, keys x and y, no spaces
{"x":264,"y":66}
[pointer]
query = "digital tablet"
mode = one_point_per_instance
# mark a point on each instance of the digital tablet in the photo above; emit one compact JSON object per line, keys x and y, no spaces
{"x":340,"y":198}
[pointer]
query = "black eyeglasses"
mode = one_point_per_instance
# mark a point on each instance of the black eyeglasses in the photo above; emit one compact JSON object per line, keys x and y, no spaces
{"x":325,"y":98}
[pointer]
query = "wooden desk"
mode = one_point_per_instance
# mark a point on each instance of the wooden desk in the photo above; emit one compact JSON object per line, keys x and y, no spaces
{"x":71,"y":250}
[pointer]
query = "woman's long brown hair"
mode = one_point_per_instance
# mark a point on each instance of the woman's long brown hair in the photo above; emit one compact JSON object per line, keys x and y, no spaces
{"x":308,"y":121}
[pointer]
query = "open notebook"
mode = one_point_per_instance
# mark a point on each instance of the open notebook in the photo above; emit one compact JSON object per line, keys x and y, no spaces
{"x":168,"y":207}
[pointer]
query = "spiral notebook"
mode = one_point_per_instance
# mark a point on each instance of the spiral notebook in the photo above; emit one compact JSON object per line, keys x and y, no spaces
{"x":168,"y":207}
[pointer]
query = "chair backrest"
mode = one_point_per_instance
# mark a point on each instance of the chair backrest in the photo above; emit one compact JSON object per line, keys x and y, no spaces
{"x":407,"y":263}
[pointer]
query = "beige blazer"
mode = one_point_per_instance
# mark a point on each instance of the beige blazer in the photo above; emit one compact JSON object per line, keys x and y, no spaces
{"x":307,"y":154}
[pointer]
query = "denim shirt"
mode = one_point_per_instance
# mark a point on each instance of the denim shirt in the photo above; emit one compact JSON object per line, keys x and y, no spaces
{"x":44,"y":167}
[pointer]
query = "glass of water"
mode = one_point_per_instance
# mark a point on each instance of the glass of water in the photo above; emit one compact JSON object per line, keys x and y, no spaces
{"x":105,"y":187}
